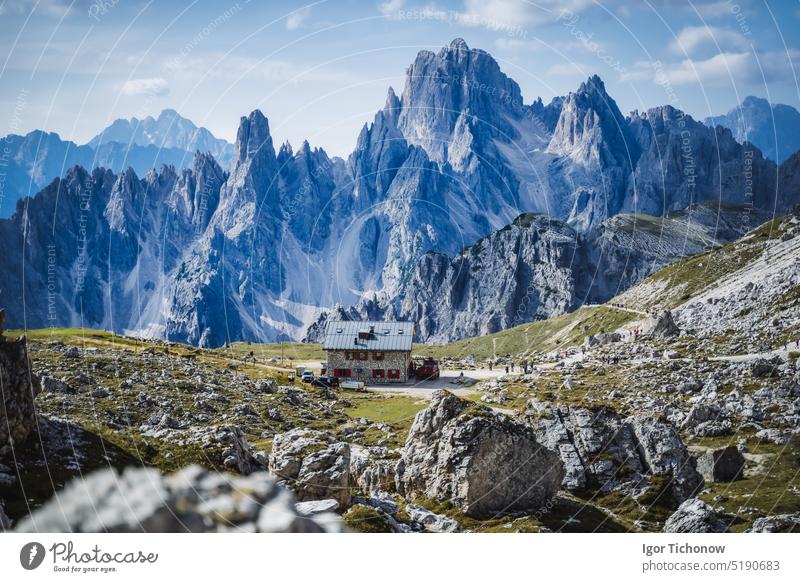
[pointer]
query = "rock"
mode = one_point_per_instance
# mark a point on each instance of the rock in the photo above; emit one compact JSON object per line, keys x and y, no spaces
{"x":238,"y":454}
{"x":19,"y":386}
{"x":100,"y":393}
{"x":696,"y":516}
{"x":54,"y":385}
{"x":72,"y":352}
{"x":721,"y":465}
{"x":194,"y":500}
{"x":313,"y":464}
{"x":481,"y":461}
{"x":777,"y":524}
{"x":602,"y":339}
{"x":762,"y":368}
{"x":662,"y":326}
{"x":370,"y":472}
{"x":315,"y":507}
{"x":266,"y":385}
{"x":664,"y":454}
{"x":773,"y":436}
{"x":432,"y":522}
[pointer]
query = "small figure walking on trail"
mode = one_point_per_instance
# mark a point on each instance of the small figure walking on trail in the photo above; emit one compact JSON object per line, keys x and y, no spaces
{"x":506,"y":369}
{"x":490,"y":365}
{"x":512,"y":366}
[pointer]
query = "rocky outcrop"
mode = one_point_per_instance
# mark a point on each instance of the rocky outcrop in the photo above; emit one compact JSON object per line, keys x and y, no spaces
{"x":663,"y":454}
{"x":721,"y":465}
{"x":777,"y":524}
{"x":604,"y":451}
{"x":661,"y":326}
{"x":696,"y":516}
{"x":312,"y":464}
{"x":483,"y":462}
{"x":18,"y":386}
{"x":191,"y":500}
{"x":371,"y":471}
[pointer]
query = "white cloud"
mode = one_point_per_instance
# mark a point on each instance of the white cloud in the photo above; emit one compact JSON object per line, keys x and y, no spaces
{"x":297,"y":18}
{"x":691,"y":39}
{"x":53,"y":8}
{"x":390,"y":7}
{"x":726,"y":68}
{"x":510,"y":13}
{"x":150,"y":86}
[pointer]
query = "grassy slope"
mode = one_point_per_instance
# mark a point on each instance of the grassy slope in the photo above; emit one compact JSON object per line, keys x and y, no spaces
{"x":538,"y":336}
{"x":677,"y":283}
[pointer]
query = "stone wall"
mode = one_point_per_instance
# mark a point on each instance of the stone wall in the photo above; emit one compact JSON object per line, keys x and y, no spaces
{"x":362,"y":369}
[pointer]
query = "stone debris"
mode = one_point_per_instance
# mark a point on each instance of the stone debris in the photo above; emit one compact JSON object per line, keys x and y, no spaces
{"x":191,"y":500}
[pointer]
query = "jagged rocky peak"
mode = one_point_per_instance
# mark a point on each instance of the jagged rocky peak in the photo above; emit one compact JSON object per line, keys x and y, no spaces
{"x":591,"y":129}
{"x":440,"y":87}
{"x":253,"y":138}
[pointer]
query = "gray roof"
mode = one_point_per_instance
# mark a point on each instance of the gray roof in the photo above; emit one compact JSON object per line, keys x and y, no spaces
{"x":387,"y":336}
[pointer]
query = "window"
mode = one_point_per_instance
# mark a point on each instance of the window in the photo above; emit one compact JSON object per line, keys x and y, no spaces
{"x":393,"y":373}
{"x":377,"y":373}
{"x":348,"y":355}
{"x":342,"y":372}
{"x":378,"y":356}
{"x":363,"y":356}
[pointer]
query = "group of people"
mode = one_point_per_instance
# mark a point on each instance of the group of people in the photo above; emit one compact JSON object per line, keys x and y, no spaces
{"x":524,"y":367}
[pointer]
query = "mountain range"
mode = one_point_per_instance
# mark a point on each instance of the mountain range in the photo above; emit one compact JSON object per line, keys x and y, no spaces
{"x":461,"y":207}
{"x":774,"y":129}
{"x":30,"y":162}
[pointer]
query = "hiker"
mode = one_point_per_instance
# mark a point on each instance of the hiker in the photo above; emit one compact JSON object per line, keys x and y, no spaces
{"x":512,"y":366}
{"x":490,"y":365}
{"x":506,"y":369}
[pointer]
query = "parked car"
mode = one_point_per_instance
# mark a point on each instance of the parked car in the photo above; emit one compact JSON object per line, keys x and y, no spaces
{"x":428,"y":369}
{"x":325,"y":382}
{"x":307,"y":377}
{"x":353,"y":385}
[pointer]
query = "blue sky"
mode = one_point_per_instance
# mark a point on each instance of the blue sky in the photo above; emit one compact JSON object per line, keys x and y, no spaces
{"x":320,"y":70}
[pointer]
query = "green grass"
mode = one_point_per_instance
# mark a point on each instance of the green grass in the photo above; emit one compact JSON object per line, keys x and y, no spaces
{"x":563,"y":331}
{"x":386,"y":409}
{"x":292,"y":351}
{"x":363,"y":519}
{"x":682,"y":280}
{"x":769,"y":486}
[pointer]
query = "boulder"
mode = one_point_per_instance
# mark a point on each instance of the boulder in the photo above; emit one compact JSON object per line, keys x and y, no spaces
{"x":785,"y":523}
{"x":696,"y":516}
{"x":192,"y":500}
{"x":431,"y":521}
{"x":602,"y":450}
{"x":237,"y":454}
{"x":19,"y":386}
{"x":763,"y":368}
{"x":483,"y":462}
{"x":721,"y":465}
{"x":313,"y":464}
{"x":370,"y":469}
{"x":315,"y":507}
{"x":664,"y":454}
{"x":662,"y":326}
